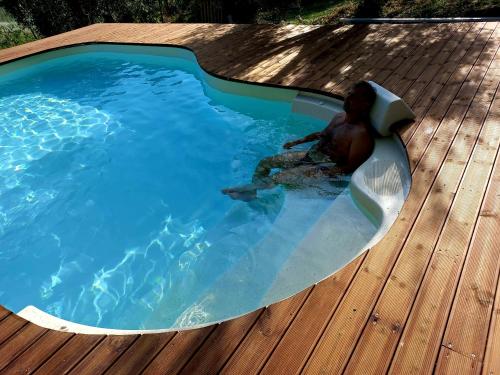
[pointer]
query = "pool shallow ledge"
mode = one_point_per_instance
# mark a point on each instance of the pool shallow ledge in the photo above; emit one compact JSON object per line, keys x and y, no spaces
{"x":379,"y":187}
{"x":382,"y":183}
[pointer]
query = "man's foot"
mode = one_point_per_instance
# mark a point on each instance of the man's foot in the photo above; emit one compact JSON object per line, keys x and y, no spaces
{"x":241,"y":193}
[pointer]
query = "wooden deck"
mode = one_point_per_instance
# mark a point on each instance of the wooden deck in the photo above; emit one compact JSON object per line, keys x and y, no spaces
{"x":425,"y":299}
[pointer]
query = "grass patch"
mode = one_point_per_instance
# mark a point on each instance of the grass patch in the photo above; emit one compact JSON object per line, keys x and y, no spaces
{"x":321,"y":12}
{"x":441,"y":8}
{"x":330,"y":11}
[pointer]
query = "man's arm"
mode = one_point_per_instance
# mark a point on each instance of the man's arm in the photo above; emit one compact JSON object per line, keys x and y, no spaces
{"x":307,"y":138}
{"x":313,"y":136}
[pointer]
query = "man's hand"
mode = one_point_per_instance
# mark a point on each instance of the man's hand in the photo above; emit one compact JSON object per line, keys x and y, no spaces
{"x":307,"y":138}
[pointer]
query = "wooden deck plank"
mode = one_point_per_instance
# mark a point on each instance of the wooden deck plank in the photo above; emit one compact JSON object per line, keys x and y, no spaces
{"x":344,"y":47}
{"x":219,"y":346}
{"x":417,"y":146}
{"x":403,"y":77}
{"x":284,"y":46}
{"x":18,"y":343}
{"x":174,"y":356}
{"x":221,"y":42}
{"x":435,"y":77}
{"x":453,"y":363}
{"x":387,"y":318}
{"x":69,"y":355}
{"x":251,"y":354}
{"x":422,"y":335}
{"x":327,"y":54}
{"x":390,"y":64}
{"x":232,"y":60}
{"x":394,"y":65}
{"x":491,"y":358}
{"x":332,"y":353}
{"x":425,"y":70}
{"x":391,"y":59}
{"x":3,"y":313}
{"x":476,"y":43}
{"x":103,"y":355}
{"x":467,"y":328}
{"x":9,"y":326}
{"x":37,"y":354}
{"x":294,"y":349}
{"x":328,"y":72}
{"x":140,"y":353}
{"x":432,"y":41}
{"x":377,"y":56}
{"x":384,"y":330}
{"x":257,"y":57}
{"x":433,"y":62}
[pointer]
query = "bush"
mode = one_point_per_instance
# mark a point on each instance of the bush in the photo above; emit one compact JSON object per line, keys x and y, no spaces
{"x":49,"y":17}
{"x":12,"y":35}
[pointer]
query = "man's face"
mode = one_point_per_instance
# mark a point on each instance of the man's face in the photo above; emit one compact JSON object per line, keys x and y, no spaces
{"x":356,"y":101}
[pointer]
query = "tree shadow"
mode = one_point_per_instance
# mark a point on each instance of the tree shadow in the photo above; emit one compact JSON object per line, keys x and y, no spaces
{"x":315,"y":57}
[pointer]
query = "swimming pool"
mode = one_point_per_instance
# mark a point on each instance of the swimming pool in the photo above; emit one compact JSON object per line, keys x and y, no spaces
{"x":112,"y":159}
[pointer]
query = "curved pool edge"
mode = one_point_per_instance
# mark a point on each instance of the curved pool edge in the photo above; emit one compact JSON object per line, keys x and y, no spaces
{"x":39,"y":317}
{"x":318,"y":104}
{"x":63,"y":51}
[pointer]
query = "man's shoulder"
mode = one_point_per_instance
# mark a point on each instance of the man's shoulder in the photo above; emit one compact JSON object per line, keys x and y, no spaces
{"x":338,"y":119}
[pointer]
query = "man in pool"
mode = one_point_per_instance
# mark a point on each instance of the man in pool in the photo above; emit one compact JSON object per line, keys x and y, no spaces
{"x":342,"y":147}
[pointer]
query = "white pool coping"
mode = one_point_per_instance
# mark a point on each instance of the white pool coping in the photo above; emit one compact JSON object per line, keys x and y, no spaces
{"x":379,"y":187}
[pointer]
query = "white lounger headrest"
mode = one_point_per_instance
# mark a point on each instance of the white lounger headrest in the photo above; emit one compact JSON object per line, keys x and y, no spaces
{"x":387,"y":110}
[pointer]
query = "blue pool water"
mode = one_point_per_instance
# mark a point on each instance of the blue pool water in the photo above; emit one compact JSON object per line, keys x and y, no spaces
{"x":111,"y":167}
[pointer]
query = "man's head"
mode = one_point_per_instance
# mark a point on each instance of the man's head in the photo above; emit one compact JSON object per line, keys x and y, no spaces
{"x":360,"y":99}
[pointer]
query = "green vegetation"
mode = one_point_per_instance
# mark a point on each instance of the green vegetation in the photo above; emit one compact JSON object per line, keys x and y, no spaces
{"x":5,"y":17}
{"x":317,"y":12}
{"x":441,"y":8}
{"x":12,"y":35}
{"x":48,"y":17}
{"x":330,"y":11}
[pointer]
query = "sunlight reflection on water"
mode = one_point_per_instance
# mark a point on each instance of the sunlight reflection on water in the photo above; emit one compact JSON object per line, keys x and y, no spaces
{"x":110,"y":205}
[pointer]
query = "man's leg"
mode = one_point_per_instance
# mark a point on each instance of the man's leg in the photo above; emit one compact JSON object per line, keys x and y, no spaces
{"x":290,"y":176}
{"x":296,"y":176}
{"x":283,"y":161}
{"x":248,"y":192}
{"x":261,"y":178}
